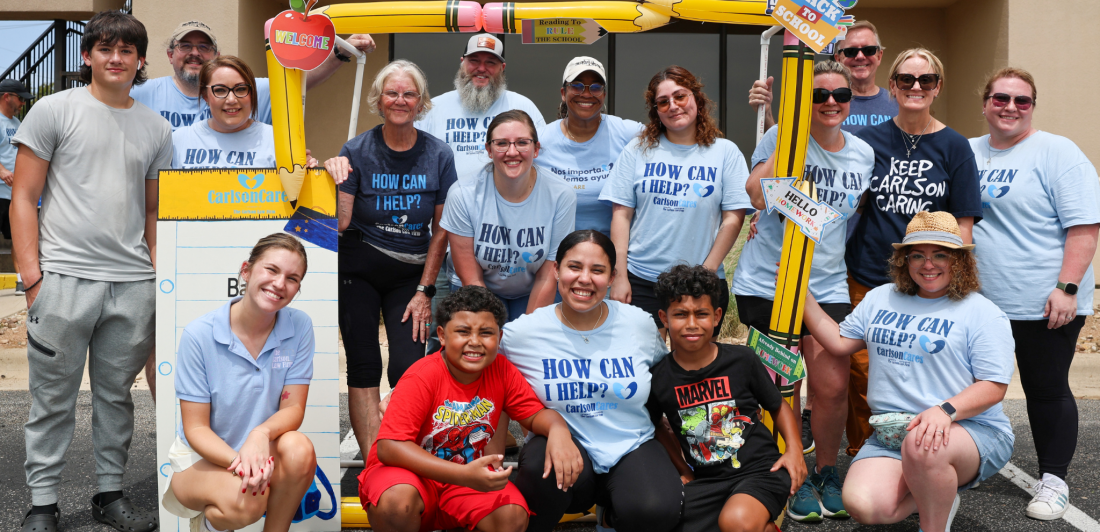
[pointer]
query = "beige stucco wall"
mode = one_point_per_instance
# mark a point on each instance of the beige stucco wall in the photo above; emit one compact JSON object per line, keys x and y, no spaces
{"x":55,"y":9}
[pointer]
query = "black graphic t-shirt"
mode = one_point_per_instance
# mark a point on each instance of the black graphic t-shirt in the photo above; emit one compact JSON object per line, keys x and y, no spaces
{"x":715,"y":411}
{"x":939,"y":175}
{"x":396,"y":191}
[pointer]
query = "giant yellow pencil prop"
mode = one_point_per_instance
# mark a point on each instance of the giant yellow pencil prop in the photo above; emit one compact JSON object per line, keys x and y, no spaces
{"x":431,"y":16}
{"x":790,"y":160}
{"x":723,"y":11}
{"x":615,"y":17}
{"x":288,"y":123}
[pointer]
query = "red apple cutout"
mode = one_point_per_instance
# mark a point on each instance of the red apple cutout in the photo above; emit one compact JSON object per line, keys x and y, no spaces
{"x":301,"y":41}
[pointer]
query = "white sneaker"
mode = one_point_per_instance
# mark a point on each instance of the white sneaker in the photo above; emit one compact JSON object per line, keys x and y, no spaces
{"x":1050,"y":500}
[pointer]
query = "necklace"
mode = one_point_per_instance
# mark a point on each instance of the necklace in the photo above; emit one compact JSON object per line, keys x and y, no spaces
{"x":574,"y":327}
{"x":993,"y":152}
{"x":565,"y":124}
{"x":911,"y":145}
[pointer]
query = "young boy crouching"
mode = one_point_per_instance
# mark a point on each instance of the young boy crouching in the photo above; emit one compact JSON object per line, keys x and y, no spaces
{"x":426,"y":470}
{"x":734,"y":477}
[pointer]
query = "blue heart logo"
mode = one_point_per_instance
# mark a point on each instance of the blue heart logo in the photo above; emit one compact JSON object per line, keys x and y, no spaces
{"x":702,"y":191}
{"x":931,"y":347}
{"x":532,"y":258}
{"x":633,"y":389}
{"x":244,"y":180}
{"x":997,"y":192}
{"x":853,"y":200}
{"x":400,"y":219}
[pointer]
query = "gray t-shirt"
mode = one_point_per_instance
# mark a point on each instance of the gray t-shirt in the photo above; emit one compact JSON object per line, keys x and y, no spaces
{"x":92,"y":223}
{"x":870,"y":111}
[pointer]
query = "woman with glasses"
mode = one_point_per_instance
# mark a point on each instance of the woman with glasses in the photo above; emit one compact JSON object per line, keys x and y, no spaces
{"x":1041,"y":201}
{"x":505,"y":225}
{"x":393,"y":181}
{"x":678,"y":192}
{"x":582,"y":146}
{"x":941,"y":363}
{"x":839,"y":165}
{"x":920,"y":165}
{"x":232,"y":137}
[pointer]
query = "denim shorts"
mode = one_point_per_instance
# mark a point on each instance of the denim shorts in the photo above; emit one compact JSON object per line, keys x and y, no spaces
{"x":994,"y":449}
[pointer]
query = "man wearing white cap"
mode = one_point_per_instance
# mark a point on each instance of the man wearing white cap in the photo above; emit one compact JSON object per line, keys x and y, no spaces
{"x":461,"y":118}
{"x":193,"y":43}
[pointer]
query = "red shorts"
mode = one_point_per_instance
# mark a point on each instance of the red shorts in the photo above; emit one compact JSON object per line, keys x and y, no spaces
{"x":445,"y":505}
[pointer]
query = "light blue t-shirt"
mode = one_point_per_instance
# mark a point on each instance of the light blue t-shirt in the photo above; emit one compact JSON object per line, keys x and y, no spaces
{"x":1032,"y":194}
{"x":213,"y":366}
{"x":600,"y":386}
{"x":586,"y":165}
{"x":163,"y":96}
{"x":678,"y":194}
{"x":511,"y":240}
{"x":925,"y":351}
{"x":199,"y":146}
{"x":464,"y":131}
{"x":8,"y":126}
{"x":840,"y":178}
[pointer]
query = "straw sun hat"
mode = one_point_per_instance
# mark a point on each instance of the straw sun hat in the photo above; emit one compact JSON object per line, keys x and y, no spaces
{"x":939,"y":228}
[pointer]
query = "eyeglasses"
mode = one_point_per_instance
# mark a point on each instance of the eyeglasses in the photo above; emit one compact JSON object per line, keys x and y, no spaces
{"x":680,"y":98}
{"x":577,"y":87}
{"x":927,"y":81}
{"x":186,"y":48}
{"x":840,"y":95}
{"x":408,"y":96}
{"x":1001,"y":99}
{"x":502,"y":145}
{"x":221,"y":92}
{"x":940,"y":259}
{"x":868,"y":51}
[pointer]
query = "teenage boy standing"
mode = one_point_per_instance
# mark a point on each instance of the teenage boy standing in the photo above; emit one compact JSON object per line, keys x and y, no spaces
{"x":93,"y":154}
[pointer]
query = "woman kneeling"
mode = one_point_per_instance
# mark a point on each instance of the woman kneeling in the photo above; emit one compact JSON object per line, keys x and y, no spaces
{"x":941,"y":354}
{"x":242,"y":377}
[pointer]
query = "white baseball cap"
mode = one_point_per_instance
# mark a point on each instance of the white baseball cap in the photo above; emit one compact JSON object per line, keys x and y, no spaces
{"x":485,"y":42}
{"x":580,"y":65}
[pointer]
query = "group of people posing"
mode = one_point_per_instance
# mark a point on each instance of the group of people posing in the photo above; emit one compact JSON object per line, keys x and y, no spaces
{"x":589,"y":253}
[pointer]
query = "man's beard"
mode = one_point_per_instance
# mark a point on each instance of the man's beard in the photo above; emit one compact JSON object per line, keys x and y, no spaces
{"x":478,"y":99}
{"x":187,"y":77}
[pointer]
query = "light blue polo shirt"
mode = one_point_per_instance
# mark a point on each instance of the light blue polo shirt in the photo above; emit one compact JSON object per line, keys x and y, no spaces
{"x":213,"y":366}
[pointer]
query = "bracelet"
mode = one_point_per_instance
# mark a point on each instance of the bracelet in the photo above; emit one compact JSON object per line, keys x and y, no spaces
{"x":35,"y":283}
{"x":340,"y":56}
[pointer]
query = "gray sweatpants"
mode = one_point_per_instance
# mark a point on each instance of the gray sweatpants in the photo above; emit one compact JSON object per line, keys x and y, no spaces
{"x":108,"y":324}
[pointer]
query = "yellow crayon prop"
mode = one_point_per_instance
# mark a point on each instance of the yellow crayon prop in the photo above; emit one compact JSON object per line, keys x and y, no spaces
{"x":431,"y":16}
{"x":615,"y":17}
{"x":790,"y":160}
{"x":288,"y":123}
{"x":723,"y":11}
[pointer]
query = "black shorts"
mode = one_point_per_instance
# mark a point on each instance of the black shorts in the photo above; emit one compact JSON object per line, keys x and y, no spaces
{"x":644,"y":297}
{"x":5,"y":221}
{"x":705,"y":497}
{"x":757,"y":312}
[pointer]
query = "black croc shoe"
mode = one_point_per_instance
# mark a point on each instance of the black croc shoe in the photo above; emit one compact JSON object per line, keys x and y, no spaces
{"x":124,"y":517}
{"x":41,"y":522}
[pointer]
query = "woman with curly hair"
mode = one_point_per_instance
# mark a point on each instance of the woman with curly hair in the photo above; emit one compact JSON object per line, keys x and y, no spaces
{"x":941,"y":361}
{"x":677,"y":192}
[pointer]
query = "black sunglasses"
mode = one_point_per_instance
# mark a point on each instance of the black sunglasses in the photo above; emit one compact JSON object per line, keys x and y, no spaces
{"x":1001,"y":99}
{"x":841,"y":95}
{"x":851,"y":53}
{"x":927,"y":81}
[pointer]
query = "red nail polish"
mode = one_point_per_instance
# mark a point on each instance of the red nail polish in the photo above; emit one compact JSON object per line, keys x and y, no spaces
{"x":253,"y":494}
{"x":243,"y":490}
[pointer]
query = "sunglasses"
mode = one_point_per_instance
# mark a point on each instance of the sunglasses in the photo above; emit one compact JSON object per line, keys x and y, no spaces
{"x":1001,"y":99}
{"x":841,"y":95}
{"x":680,"y":98}
{"x":221,"y":92}
{"x":577,"y":87}
{"x":868,"y":51}
{"x":927,"y":81}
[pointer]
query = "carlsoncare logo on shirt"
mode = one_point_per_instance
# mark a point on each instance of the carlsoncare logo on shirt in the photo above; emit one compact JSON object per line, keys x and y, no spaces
{"x":666,"y":182}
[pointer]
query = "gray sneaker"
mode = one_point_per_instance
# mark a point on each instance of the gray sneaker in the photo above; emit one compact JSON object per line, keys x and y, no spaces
{"x":19,"y":289}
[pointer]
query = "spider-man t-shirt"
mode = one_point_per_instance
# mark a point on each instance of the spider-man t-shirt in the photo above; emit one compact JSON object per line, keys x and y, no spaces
{"x":450,"y":420}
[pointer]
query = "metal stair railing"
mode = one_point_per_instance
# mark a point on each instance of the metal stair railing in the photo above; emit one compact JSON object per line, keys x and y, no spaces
{"x":39,"y":67}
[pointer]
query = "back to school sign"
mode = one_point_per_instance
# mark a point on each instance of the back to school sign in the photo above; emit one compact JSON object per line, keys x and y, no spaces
{"x":814,"y":22}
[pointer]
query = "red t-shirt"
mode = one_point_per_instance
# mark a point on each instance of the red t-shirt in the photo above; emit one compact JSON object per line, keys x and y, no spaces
{"x":451,"y":420}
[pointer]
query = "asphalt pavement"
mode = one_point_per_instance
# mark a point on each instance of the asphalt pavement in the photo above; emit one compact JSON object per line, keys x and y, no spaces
{"x":997,"y":506}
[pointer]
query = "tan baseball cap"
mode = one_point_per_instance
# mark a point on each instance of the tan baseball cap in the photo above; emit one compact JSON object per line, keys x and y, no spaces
{"x":485,"y":42}
{"x":194,"y":25}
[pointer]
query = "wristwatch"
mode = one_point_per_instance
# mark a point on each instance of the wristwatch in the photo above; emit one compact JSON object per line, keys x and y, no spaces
{"x":429,"y":290}
{"x":948,"y":409}
{"x":340,"y":56}
{"x":1068,"y":288}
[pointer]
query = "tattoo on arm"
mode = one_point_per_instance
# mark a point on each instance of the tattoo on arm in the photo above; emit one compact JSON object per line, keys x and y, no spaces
{"x":286,"y":395}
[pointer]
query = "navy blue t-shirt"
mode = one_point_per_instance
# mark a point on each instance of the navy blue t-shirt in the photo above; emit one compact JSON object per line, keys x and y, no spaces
{"x":396,"y":191}
{"x":940,"y":175}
